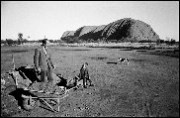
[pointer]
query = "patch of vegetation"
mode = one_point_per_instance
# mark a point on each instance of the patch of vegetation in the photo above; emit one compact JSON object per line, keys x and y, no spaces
{"x":15,"y":51}
{"x":126,"y":49}
{"x":138,"y":60}
{"x":171,"y":53}
{"x":117,"y":91}
{"x":71,"y":39}
{"x":141,"y":50}
{"x":75,"y":49}
{"x":99,"y":58}
{"x":109,"y":62}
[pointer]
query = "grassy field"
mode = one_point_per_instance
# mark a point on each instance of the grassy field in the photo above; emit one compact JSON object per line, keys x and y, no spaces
{"x":147,"y":86}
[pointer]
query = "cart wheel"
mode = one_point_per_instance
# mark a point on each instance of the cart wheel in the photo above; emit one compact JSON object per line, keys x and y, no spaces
{"x":29,"y":104}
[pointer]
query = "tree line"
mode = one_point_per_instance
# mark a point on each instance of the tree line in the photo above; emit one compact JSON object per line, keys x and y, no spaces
{"x":169,"y":41}
{"x":20,"y":41}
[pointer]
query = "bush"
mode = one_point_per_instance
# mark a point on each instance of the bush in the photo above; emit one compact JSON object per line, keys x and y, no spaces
{"x":71,"y":40}
{"x":11,"y":42}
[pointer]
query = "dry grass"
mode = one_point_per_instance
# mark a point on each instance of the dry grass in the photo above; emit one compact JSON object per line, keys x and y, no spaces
{"x":148,"y":86}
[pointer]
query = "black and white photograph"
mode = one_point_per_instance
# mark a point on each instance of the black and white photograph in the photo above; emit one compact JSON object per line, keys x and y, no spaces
{"x":89,"y":58}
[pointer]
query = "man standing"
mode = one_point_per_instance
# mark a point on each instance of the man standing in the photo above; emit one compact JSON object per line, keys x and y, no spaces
{"x":43,"y":63}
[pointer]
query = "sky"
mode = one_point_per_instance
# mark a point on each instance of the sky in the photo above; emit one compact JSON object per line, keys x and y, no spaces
{"x":39,"y":19}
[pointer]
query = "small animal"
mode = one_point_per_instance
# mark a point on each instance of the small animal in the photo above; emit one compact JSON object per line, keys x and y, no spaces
{"x":82,"y":79}
{"x":123,"y":60}
{"x":84,"y":75}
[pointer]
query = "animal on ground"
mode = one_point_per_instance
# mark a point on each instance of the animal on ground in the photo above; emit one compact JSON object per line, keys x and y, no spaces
{"x":81,"y":80}
{"x":123,"y":60}
{"x":84,"y":75}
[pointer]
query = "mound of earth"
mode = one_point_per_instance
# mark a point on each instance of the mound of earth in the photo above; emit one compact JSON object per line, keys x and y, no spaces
{"x":126,"y":29}
{"x":9,"y":105}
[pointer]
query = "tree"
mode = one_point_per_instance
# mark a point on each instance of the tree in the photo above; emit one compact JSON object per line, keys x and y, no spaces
{"x":20,"y":38}
{"x":160,"y":41}
{"x":10,"y":42}
{"x":173,"y":41}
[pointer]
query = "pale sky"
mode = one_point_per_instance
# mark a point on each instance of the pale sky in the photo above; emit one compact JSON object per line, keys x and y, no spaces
{"x":37,"y":19}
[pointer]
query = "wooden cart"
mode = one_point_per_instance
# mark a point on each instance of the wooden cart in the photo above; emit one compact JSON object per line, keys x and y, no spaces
{"x":31,"y":97}
{"x":34,"y":98}
{"x":43,"y":99}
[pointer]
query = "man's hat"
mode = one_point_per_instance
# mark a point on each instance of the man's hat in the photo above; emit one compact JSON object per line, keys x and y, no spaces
{"x":44,"y":40}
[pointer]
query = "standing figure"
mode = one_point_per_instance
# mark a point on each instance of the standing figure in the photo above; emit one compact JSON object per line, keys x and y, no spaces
{"x":43,"y":63}
{"x":84,"y":74}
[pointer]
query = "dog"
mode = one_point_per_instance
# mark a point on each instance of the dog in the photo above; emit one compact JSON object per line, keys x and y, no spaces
{"x":81,"y":80}
{"x":84,"y":75}
{"x":123,"y":60}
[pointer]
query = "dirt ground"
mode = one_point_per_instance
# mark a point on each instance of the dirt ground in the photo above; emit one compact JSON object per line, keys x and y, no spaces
{"x":147,"y":86}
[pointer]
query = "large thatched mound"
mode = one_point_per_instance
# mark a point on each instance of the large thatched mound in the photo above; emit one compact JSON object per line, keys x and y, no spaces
{"x":126,"y":29}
